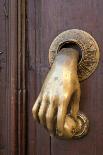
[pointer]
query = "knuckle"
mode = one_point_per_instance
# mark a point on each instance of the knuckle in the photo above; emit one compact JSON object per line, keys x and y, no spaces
{"x":37,"y":102}
{"x":44,"y":97}
{"x":63,"y":101}
{"x":65,"y":98}
{"x":48,"y":117}
{"x":52,"y":98}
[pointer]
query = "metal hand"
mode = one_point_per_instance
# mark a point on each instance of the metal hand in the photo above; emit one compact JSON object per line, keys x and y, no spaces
{"x":61,"y":88}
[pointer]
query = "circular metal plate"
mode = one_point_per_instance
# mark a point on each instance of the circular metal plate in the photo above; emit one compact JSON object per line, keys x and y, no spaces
{"x":83,"y":122}
{"x":88,"y":46}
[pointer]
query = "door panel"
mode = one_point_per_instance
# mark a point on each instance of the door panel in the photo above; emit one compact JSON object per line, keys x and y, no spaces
{"x":3,"y":79}
{"x":36,"y":71}
{"x":46,"y":19}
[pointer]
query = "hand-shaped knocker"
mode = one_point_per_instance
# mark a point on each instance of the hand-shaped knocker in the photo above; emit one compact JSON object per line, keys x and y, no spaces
{"x":57,"y":106}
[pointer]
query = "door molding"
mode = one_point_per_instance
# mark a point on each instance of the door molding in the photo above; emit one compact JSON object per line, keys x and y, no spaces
{"x":16,"y":91}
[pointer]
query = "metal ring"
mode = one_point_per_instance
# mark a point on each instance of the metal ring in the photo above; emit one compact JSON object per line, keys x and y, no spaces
{"x":88,"y":46}
{"x":83,"y":122}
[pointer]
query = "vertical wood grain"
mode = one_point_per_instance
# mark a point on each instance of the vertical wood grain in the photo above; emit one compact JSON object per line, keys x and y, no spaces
{"x":21,"y":67}
{"x":12,"y":76}
{"x":38,"y":141}
{"x":3,"y":77}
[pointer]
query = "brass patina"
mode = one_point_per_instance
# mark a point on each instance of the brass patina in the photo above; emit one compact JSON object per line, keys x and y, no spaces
{"x":57,"y":106}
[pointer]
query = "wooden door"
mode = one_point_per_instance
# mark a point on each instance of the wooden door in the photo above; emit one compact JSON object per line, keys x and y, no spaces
{"x":45,"y":20}
{"x":27,"y":28}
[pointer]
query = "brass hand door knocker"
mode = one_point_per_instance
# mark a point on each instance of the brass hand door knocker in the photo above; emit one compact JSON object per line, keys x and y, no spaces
{"x":73,"y":56}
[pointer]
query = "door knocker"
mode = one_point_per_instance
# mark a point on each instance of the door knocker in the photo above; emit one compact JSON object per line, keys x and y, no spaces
{"x":73,"y":57}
